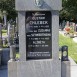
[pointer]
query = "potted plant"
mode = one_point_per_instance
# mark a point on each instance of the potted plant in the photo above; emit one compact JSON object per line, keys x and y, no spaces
{"x":67,"y":30}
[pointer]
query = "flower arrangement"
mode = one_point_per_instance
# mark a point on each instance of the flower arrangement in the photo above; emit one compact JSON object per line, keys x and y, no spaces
{"x":67,"y":28}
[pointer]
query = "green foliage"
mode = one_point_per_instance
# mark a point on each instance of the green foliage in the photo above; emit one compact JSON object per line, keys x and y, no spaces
{"x":69,"y":10}
{"x":1,"y":16}
{"x":72,"y":46}
{"x":4,"y":31}
{"x":9,"y":7}
{"x":5,"y":46}
{"x":71,"y":29}
{"x":17,"y":55}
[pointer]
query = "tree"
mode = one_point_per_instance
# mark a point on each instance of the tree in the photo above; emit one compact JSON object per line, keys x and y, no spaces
{"x":69,"y":10}
{"x":9,"y":7}
{"x":1,"y":16}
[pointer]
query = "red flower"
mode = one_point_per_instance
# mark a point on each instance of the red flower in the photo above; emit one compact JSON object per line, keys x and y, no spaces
{"x":67,"y":29}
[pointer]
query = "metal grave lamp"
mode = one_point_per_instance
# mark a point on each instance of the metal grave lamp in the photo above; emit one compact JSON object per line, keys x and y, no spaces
{"x":64,"y":56}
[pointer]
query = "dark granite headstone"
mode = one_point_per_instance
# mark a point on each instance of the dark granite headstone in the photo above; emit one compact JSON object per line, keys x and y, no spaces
{"x":38,"y":34}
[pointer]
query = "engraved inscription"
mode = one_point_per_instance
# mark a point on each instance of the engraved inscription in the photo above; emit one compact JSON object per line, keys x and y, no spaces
{"x":38,"y":35}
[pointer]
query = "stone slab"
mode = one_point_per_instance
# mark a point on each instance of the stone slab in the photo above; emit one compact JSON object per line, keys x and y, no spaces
{"x":12,"y":69}
{"x":5,"y":56}
{"x":4,"y":73}
{"x":22,"y":35}
{"x":25,"y":5}
{"x":43,"y":67}
{"x":65,"y":69}
{"x":38,"y":68}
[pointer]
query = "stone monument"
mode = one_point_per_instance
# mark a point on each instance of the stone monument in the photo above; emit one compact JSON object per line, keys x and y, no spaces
{"x":0,"y":35}
{"x":9,"y":33}
{"x":38,"y":22}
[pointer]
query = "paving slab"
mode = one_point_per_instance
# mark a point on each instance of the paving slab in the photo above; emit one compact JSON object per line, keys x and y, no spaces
{"x":74,"y":71}
{"x":73,"y":67}
{"x":3,"y":71}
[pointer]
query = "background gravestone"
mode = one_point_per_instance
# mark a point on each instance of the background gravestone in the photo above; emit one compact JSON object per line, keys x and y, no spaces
{"x":11,"y":31}
{"x":9,"y":34}
{"x":38,"y":39}
{"x":0,"y":35}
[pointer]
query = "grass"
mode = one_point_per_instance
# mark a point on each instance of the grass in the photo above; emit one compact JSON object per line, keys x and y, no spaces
{"x":72,"y":46}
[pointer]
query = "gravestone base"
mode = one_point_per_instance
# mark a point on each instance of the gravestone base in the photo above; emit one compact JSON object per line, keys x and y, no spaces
{"x":0,"y":58}
{"x":34,"y":68}
{"x":5,"y":56}
{"x":65,"y":69}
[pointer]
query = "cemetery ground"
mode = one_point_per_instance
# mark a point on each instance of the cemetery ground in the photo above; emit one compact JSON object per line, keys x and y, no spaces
{"x":72,"y":46}
{"x":63,"y":40}
{"x":72,"y":51}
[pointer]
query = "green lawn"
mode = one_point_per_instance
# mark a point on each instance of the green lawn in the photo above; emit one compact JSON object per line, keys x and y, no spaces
{"x":72,"y":46}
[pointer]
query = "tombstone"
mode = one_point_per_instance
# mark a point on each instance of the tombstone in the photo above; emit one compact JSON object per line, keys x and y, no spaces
{"x":4,"y":41}
{"x":5,"y":18}
{"x":38,"y":22}
{"x":68,"y":23}
{"x":63,"y":24}
{"x":5,"y":56}
{"x":0,"y":35}
{"x":10,"y":34}
{"x":0,"y":59}
{"x":76,"y":27}
{"x":13,"y":26}
{"x":13,"y":32}
{"x":16,"y":28}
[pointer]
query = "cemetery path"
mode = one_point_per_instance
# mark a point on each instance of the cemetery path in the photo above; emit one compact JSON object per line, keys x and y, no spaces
{"x":74,"y":71}
{"x":73,"y":67}
{"x":3,"y":68}
{"x":3,"y":71}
